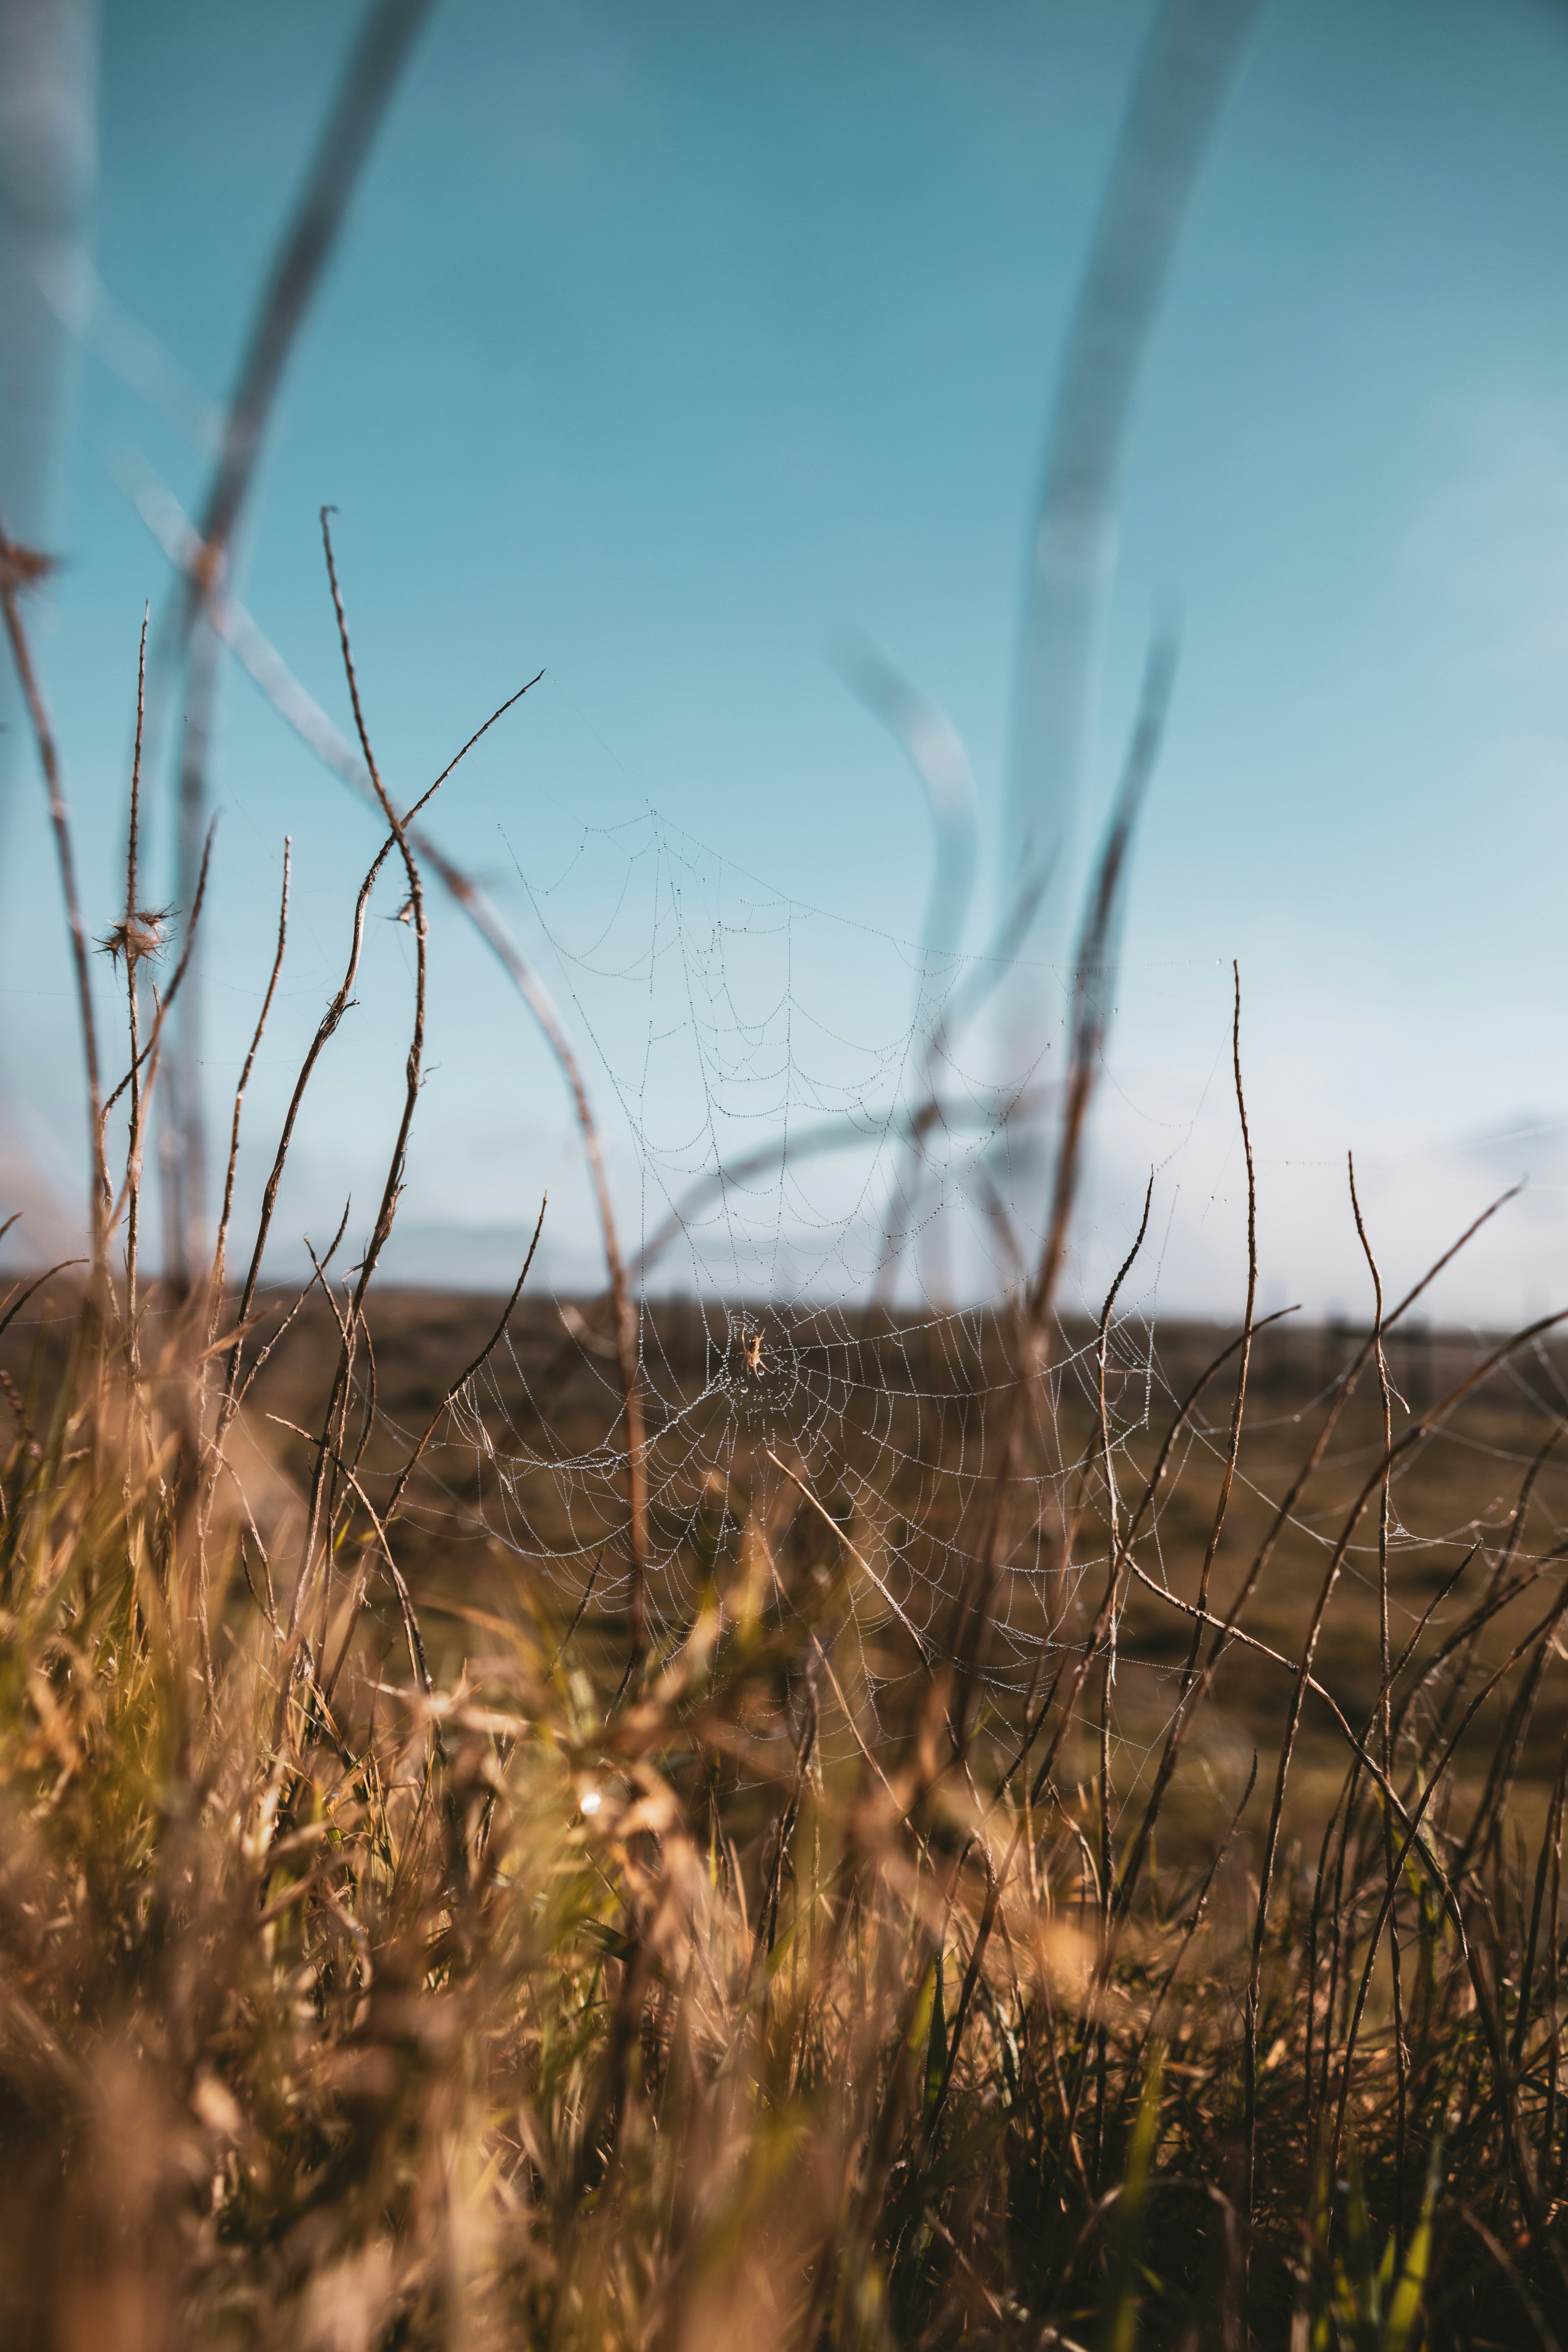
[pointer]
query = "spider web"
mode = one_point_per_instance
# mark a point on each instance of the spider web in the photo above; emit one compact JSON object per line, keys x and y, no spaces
{"x":838,"y":1203}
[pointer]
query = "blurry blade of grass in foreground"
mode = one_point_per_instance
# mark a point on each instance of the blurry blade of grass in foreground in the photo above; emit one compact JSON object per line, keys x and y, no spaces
{"x":186,"y":644}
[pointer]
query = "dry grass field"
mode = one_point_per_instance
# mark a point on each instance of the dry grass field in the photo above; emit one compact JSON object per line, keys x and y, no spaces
{"x":595,"y":1824}
{"x":494,"y":1983}
{"x":889,"y":1413}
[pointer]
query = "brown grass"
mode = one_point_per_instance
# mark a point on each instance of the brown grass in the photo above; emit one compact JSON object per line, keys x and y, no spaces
{"x":1015,"y":1840}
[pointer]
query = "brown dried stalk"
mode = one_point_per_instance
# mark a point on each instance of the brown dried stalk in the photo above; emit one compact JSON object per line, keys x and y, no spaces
{"x":215,"y":1284}
{"x":131,"y":939}
{"x":1401,"y":2054}
{"x":149,"y":1056}
{"x":1271,"y":1844}
{"x":183,"y":546}
{"x":1238,"y":1404}
{"x":1107,"y":1860}
{"x":331,"y":1431}
{"x":1187,"y":1713}
{"x":234,"y":1388}
{"x":467,"y":1373}
{"x":370,"y":74}
{"x":19,"y":568}
{"x":1095,"y":972}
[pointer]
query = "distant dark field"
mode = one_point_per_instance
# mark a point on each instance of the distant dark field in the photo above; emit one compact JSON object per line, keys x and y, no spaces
{"x":892,"y":1425}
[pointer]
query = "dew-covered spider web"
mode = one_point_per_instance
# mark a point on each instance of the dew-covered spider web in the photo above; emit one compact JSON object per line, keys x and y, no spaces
{"x":833,"y":1194}
{"x":839,"y":1204}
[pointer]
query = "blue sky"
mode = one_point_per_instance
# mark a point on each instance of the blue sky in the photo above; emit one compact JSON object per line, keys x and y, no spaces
{"x":664,"y":342}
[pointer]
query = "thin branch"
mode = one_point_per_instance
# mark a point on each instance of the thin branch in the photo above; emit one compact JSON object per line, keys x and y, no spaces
{"x":464,"y":1377}
{"x":394,"y":1183}
{"x":1095,"y":976}
{"x":370,"y":76}
{"x":216,"y":1282}
{"x":1233,"y":1449}
{"x":134,"y":999}
{"x":20,"y":567}
{"x":1401,"y":2054}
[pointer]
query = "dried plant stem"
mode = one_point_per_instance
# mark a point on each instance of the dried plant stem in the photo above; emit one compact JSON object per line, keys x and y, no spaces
{"x":14,"y":571}
{"x":416,"y":1455}
{"x":1401,"y":2054}
{"x":216,"y":1279}
{"x":185,"y":547}
{"x":1151,"y":1488}
{"x":467,"y":1374}
{"x":186,"y":1161}
{"x":1094,"y":977}
{"x":370,"y":74}
{"x":623,"y":1305}
{"x":1542,"y":1633}
{"x":233,"y":1385}
{"x":1550,"y":1847}
{"x":387,"y":1209}
{"x":325,"y":1029}
{"x":1108,"y":1471}
{"x":133,"y":991}
{"x":1271,"y":1845}
{"x":1238,"y":1404}
{"x":1187,"y":1713}
{"x":1194,"y":1919}
{"x":148,"y":1057}
{"x":17,"y":1299}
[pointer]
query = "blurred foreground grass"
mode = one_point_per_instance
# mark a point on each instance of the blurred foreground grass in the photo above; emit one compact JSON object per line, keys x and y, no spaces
{"x":404,"y":1971}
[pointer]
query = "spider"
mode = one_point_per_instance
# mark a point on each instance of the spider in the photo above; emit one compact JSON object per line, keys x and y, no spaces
{"x":752,"y":1343}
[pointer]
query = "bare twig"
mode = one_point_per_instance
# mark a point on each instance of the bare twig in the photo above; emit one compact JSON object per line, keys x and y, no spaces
{"x":1413,"y":1437}
{"x":1095,"y":972}
{"x":414,"y":1068}
{"x":1401,"y":2055}
{"x":1238,"y":1404}
{"x":464,"y":1377}
{"x":220,"y":1247}
{"x":18,"y":568}
{"x":370,"y":74}
{"x":131,"y":941}
{"x":1190,"y":52}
